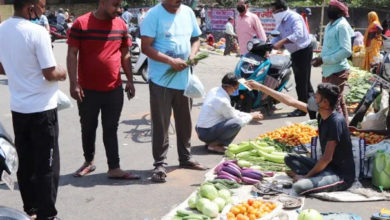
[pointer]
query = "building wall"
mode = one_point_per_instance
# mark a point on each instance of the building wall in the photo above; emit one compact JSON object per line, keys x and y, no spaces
{"x":77,"y":9}
{"x":6,"y":11}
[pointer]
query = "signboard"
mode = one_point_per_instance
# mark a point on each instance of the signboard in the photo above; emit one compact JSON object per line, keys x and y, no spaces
{"x":266,"y":18}
{"x":217,"y":18}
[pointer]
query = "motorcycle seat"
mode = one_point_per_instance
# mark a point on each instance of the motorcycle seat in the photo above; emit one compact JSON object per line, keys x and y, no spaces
{"x":279,"y":61}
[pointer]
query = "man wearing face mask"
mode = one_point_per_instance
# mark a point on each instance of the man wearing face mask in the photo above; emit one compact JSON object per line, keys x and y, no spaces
{"x":27,"y":58}
{"x":248,"y":25}
{"x":218,"y":122}
{"x":295,"y":38}
{"x":335,"y":170}
{"x":336,"y":50}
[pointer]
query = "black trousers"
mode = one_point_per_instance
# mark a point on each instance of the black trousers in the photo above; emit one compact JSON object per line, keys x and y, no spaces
{"x":301,"y":65}
{"x":162,"y":102}
{"x":110,"y":105}
{"x":36,"y":141}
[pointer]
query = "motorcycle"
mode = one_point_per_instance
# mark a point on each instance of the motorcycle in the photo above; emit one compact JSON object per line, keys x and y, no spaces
{"x":8,"y":167}
{"x":57,"y":32}
{"x":381,"y":77}
{"x":273,"y":72}
{"x":139,"y":60}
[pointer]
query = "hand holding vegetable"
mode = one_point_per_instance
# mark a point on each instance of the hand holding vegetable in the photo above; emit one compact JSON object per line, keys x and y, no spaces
{"x":178,"y":64}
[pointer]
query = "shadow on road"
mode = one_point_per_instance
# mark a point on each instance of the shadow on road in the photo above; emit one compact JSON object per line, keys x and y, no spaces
{"x":142,"y":132}
{"x":92,"y":180}
{"x":199,"y":150}
{"x":96,"y":179}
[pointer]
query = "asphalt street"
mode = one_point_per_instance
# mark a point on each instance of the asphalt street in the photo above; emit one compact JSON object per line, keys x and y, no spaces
{"x":97,"y":197}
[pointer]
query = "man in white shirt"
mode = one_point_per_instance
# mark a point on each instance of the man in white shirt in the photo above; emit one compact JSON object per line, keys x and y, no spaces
{"x":230,"y":37}
{"x":126,"y":15}
{"x":218,"y":122}
{"x":202,"y":16}
{"x":141,"y":16}
{"x":26,"y":57}
{"x":44,"y":22}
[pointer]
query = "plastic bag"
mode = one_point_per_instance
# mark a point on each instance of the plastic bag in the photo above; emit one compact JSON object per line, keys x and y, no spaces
{"x":375,"y":121}
{"x":63,"y":102}
{"x":194,"y":88}
{"x":358,"y":151}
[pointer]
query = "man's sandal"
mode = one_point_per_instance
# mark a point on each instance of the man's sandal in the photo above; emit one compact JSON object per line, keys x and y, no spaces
{"x":159,"y":175}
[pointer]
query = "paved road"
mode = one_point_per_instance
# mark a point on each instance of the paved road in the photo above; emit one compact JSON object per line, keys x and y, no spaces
{"x":97,"y":197}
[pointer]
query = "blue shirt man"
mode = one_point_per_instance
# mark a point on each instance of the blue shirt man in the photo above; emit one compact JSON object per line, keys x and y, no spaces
{"x":292,"y":27}
{"x":337,"y":47}
{"x":295,"y":38}
{"x":170,"y":36}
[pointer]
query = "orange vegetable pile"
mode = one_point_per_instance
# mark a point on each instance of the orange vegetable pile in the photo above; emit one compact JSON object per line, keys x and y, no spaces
{"x":371,"y":138}
{"x":292,"y":135}
{"x":250,"y":210}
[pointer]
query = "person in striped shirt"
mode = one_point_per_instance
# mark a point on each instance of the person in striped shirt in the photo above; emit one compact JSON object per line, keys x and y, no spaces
{"x":97,"y":49}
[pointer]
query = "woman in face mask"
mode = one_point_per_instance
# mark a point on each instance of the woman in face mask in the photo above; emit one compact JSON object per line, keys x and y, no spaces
{"x":372,"y":40}
{"x":335,"y":51}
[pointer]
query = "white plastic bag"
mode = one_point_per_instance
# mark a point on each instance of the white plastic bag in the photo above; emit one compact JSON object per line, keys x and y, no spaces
{"x":63,"y":102}
{"x":375,"y":121}
{"x":194,"y":88}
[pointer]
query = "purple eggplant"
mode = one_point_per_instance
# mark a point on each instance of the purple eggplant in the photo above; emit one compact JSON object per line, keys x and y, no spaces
{"x":224,"y":173}
{"x":249,"y":180}
{"x":230,"y":164}
{"x":232,"y":171}
{"x":231,"y":161}
{"x":252,"y":174}
{"x":233,"y":166}
{"x":269,"y":173}
{"x":226,"y":177}
{"x":218,"y":168}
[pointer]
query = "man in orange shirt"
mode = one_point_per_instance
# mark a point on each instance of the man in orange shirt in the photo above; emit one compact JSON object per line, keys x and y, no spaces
{"x":247,"y":26}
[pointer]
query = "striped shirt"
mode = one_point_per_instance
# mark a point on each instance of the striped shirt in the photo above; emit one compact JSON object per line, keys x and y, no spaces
{"x":99,"y":43}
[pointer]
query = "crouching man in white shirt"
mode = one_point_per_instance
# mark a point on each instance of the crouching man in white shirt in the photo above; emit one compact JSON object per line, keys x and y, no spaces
{"x":218,"y":122}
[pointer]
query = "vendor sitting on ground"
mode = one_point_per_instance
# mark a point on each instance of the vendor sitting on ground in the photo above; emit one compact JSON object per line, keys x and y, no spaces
{"x":335,"y":170}
{"x":218,"y":122}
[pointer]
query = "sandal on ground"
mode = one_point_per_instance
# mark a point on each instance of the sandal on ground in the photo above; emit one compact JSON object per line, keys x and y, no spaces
{"x":84,"y":170}
{"x":159,"y":175}
{"x":126,"y":176}
{"x":192,"y":164}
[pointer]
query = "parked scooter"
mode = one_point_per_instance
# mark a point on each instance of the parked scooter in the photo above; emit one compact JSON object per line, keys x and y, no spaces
{"x":273,"y":71}
{"x":139,"y":60}
{"x":8,"y":166}
{"x":382,"y":81}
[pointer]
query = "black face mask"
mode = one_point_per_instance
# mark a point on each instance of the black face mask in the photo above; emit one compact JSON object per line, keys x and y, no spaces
{"x":333,"y":13}
{"x":241,"y":8}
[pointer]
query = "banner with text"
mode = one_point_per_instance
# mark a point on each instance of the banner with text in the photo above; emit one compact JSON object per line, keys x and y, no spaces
{"x":217,"y":18}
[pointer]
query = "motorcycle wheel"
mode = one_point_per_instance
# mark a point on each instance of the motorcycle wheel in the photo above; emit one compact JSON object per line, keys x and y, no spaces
{"x":52,"y":38}
{"x":144,"y":72}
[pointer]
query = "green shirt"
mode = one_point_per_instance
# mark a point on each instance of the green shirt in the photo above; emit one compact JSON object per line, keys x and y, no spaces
{"x":337,"y":47}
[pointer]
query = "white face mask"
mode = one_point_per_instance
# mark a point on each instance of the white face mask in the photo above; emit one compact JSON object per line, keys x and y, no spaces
{"x":279,"y":17}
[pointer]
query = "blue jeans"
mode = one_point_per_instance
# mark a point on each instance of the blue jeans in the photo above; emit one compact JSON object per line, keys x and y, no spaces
{"x":223,"y":132}
{"x":325,"y":181}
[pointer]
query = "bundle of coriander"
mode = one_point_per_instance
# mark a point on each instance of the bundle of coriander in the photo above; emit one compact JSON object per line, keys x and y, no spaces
{"x":171,"y":73}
